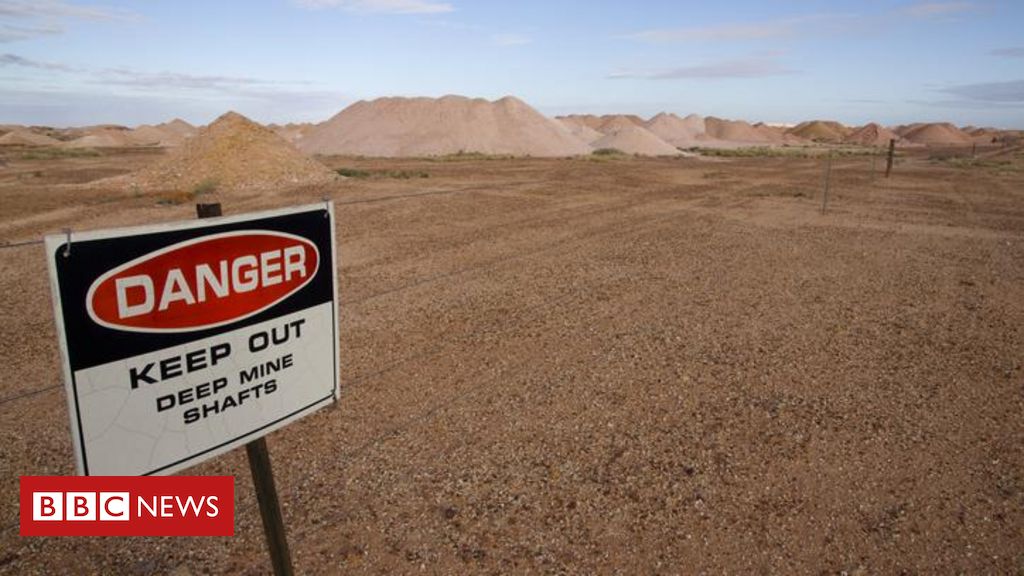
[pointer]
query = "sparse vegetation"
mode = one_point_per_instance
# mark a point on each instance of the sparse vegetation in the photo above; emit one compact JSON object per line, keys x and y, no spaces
{"x":968,"y":162}
{"x":783,"y":152}
{"x":353,"y":173}
{"x":208,"y":186}
{"x":382,"y":174}
{"x":55,"y":153}
{"x":462,"y":156}
{"x":608,"y":152}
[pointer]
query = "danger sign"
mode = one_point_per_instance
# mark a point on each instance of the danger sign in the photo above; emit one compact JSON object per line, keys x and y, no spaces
{"x":183,"y":341}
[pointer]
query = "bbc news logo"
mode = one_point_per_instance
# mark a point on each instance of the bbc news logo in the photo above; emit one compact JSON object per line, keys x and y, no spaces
{"x":127,"y":506}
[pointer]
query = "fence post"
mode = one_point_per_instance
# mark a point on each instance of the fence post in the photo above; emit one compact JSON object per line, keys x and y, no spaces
{"x":892,"y":152}
{"x":828,"y":181}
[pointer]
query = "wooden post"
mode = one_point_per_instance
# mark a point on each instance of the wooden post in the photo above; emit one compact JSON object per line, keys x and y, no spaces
{"x":208,"y":210}
{"x":892,"y":152}
{"x":974,"y":150}
{"x":270,"y":508}
{"x":828,"y":180}
{"x":263,"y":476}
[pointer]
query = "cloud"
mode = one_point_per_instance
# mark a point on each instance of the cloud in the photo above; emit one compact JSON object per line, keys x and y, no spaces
{"x":510,"y":39}
{"x":57,"y":9}
{"x":15,"y":60}
{"x":724,"y":69}
{"x":745,"y":31}
{"x":382,"y":6}
{"x":175,"y":80}
{"x":1011,"y":92}
{"x":13,"y":32}
{"x":937,"y":9}
{"x":1012,"y":52}
{"x":26,"y":19}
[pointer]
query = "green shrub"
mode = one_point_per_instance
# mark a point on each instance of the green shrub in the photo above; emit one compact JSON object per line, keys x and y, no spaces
{"x":353,"y":173}
{"x":208,"y":186}
{"x":54,"y":153}
{"x":398,"y":174}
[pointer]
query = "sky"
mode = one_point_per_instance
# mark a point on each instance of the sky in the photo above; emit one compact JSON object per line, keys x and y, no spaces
{"x":70,"y":62}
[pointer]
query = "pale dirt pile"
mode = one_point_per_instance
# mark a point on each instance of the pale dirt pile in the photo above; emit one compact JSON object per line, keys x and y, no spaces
{"x":938,"y":133}
{"x":778,"y":134}
{"x":871,"y":135}
{"x":291,"y":132}
{"x":820,"y":131}
{"x":588,"y":120}
{"x":24,"y":137}
{"x":736,"y":131}
{"x":395,"y":127}
{"x":902,"y":129}
{"x":147,"y":135}
{"x":232,"y":153}
{"x":681,"y":132}
{"x":633,"y":139}
{"x":179,"y":127}
{"x":580,"y":129}
{"x":102,"y":138}
{"x":614,"y":122}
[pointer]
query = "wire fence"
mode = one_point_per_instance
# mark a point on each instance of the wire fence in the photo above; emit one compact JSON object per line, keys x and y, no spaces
{"x":432,"y":352}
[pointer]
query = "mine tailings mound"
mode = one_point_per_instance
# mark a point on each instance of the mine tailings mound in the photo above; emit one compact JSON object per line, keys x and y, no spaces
{"x":681,"y":132}
{"x":580,"y":129}
{"x":737,"y":131}
{"x":820,"y":131}
{"x":633,"y":139}
{"x":24,"y":137}
{"x":232,"y":153}
{"x":940,"y":133}
{"x":102,"y":138}
{"x":871,"y":135}
{"x":394,"y":127}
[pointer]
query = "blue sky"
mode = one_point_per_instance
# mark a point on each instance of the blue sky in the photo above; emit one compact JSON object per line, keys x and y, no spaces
{"x":70,"y":62}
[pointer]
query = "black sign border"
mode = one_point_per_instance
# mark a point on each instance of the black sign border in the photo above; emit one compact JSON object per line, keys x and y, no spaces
{"x":55,"y":247}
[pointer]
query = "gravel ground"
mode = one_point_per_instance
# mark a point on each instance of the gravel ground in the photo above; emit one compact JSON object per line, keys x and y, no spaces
{"x":619,"y":366}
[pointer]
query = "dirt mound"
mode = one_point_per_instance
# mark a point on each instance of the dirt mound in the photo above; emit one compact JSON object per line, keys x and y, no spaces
{"x":633,"y":139}
{"x":735,"y":131}
{"x":147,"y":135}
{"x":438,"y":126}
{"x":580,"y":129}
{"x":820,"y":131}
{"x":614,"y":122}
{"x":777,"y":134}
{"x":232,"y":153}
{"x":682,"y":132}
{"x":25,"y":137}
{"x":871,"y":135}
{"x":938,"y":133}
{"x":178,"y":126}
{"x":589,"y":120}
{"x":292,"y":132}
{"x":102,"y":138}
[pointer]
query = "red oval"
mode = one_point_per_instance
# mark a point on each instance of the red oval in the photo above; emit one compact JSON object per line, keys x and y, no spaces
{"x":204,"y":282}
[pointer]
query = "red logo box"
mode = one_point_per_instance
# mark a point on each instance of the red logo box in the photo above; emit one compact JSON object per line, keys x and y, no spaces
{"x":127,"y":505}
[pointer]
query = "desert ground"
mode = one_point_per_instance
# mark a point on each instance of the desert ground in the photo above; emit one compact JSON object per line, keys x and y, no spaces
{"x":600,"y":365}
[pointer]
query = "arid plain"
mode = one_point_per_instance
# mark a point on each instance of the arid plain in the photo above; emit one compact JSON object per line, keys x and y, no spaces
{"x":601,"y":365}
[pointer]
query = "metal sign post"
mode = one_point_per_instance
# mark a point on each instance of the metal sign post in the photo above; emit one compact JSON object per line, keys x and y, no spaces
{"x":263,"y":476}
